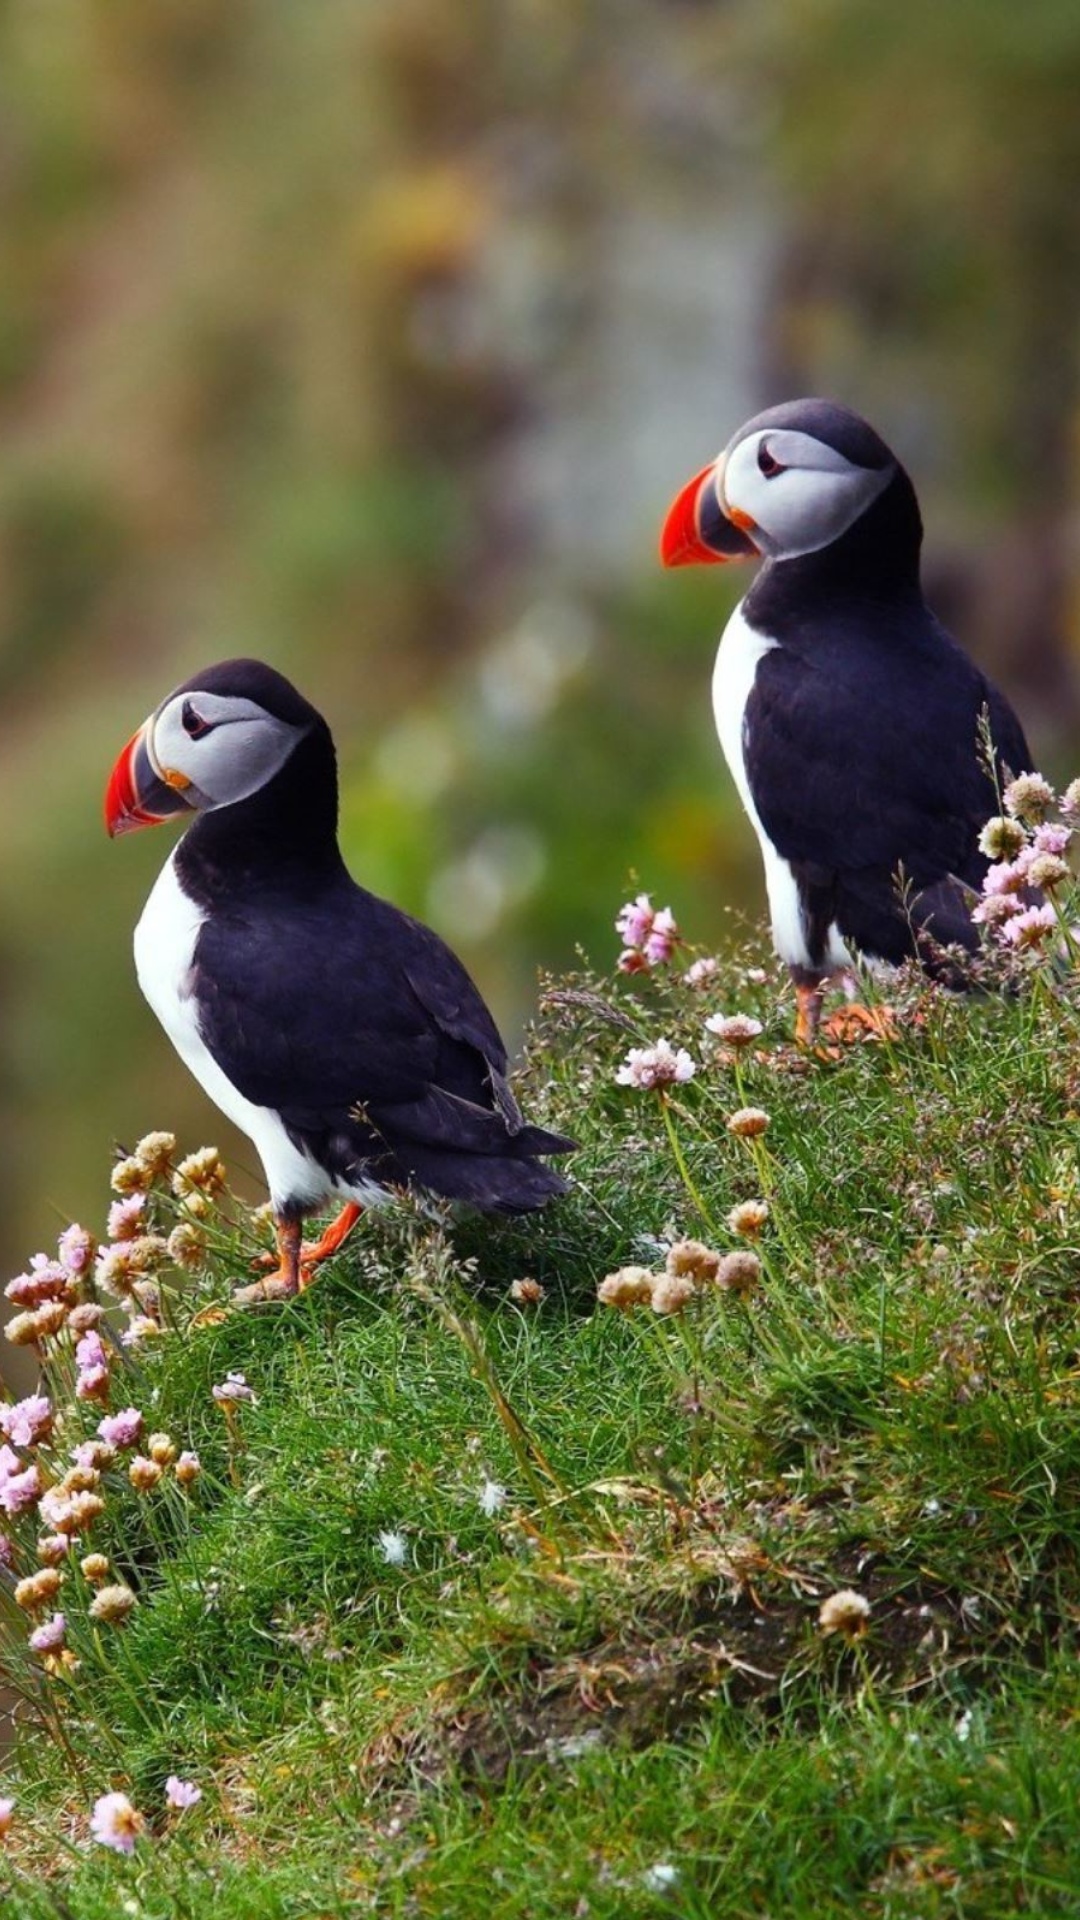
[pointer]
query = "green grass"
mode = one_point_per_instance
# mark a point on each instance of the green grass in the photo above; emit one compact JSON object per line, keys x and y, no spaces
{"x":620,"y":1669}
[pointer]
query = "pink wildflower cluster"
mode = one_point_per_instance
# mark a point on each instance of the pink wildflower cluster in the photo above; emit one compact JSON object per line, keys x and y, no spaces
{"x":649,"y":935}
{"x":1028,"y":853}
{"x":659,"y":1066}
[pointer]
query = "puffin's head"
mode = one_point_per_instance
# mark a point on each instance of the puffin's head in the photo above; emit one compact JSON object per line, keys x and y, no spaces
{"x":216,"y":740}
{"x":791,"y":481}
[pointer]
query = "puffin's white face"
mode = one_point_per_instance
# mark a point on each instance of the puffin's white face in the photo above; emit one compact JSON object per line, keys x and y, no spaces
{"x":781,"y":488}
{"x":792,"y":494}
{"x":199,"y":751}
{"x":221,"y":746}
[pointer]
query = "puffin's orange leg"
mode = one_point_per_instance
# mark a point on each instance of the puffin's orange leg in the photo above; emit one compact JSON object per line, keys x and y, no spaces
{"x":328,"y":1242}
{"x":807,"y":1013}
{"x":288,"y":1277}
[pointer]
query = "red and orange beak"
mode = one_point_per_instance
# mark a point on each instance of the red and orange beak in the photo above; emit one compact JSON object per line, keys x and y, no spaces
{"x":699,"y":530}
{"x":137,"y":795}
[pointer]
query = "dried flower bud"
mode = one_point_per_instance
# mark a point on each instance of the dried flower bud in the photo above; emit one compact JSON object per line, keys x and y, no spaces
{"x":672,"y":1293}
{"x":94,"y":1566}
{"x":38,"y":1589}
{"x":748,"y":1122}
{"x":52,"y":1549}
{"x":186,"y":1246}
{"x":846,"y":1613}
{"x":83,"y":1510}
{"x":161,"y":1448}
{"x":129,"y":1176}
{"x":739,"y":1272}
{"x":154,"y":1152}
{"x":144,"y":1474}
{"x":526,"y":1292}
{"x":203,"y":1170}
{"x":22,"y":1330}
{"x":112,"y":1604}
{"x":690,"y":1260}
{"x":1029,"y":798}
{"x":1001,"y":839}
{"x":79,"y":1479}
{"x":1048,"y":870}
{"x":1070,"y":800}
{"x":748,"y":1218}
{"x":188,"y":1468}
{"x":629,"y":1287}
{"x":85,"y":1317}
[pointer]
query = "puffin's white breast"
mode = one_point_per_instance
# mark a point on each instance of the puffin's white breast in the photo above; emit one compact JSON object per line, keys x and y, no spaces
{"x":164,"y":955}
{"x":740,"y":651}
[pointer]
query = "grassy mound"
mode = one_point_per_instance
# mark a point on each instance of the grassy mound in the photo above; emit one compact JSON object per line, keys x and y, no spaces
{"x":497,"y":1599}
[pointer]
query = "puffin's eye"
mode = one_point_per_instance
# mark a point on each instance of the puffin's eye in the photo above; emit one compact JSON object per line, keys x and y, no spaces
{"x":192,"y":722}
{"x":767,"y":465}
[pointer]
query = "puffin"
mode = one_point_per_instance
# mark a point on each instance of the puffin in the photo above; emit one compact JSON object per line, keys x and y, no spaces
{"x":341,"y":1035}
{"x":849,"y":718}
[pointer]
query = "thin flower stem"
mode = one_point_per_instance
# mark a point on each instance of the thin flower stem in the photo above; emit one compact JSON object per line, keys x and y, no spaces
{"x":680,"y":1161}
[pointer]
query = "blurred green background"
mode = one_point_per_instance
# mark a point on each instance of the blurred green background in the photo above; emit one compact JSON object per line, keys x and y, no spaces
{"x":374,"y":338}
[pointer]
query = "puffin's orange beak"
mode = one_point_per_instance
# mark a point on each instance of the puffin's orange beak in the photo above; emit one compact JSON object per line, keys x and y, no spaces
{"x":699,"y":530}
{"x":136,"y":795}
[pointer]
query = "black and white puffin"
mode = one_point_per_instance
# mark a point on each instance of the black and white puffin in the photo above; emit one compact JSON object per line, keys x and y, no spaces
{"x":849,"y":718}
{"x":340,"y":1034}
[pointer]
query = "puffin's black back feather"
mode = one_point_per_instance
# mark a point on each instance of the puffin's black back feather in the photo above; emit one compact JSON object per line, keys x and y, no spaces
{"x":862,"y":737}
{"x":351,"y":1020}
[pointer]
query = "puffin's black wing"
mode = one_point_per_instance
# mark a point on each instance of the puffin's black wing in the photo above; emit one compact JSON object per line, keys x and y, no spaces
{"x":863,"y":757}
{"x":364,"y":1032}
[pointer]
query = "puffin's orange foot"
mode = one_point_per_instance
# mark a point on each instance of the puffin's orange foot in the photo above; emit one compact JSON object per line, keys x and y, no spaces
{"x":857,"y":1022}
{"x":807,"y":1013}
{"x":295,"y":1261}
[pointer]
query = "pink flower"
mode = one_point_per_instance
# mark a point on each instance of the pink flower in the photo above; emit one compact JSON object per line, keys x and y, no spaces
{"x":701,"y":972}
{"x":634,"y":922}
{"x":996,"y":908}
{"x":115,"y":1823}
{"x":661,"y":942}
{"x":181,"y":1793}
{"x":125,"y":1217}
{"x":45,"y":1279}
{"x":1052,"y":839}
{"x":121,"y":1429}
{"x":738,"y":1029}
{"x":658,"y":1066}
{"x":19,"y":1486}
{"x":1029,"y":929}
{"x":90,"y":1351}
{"x":75,"y":1247}
{"x":1006,"y":876}
{"x":49,"y":1638}
{"x":233,"y":1388}
{"x":27,"y":1421}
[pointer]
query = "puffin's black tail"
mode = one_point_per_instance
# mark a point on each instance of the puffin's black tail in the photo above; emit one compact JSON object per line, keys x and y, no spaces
{"x":509,"y":1185}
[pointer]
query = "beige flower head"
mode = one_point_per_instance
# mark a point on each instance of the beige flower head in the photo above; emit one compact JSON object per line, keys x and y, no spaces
{"x":22,"y":1330}
{"x":112,"y":1604}
{"x":672,"y":1293}
{"x":52,"y":1549}
{"x":144,"y":1474}
{"x":690,"y":1260}
{"x":1029,"y":798}
{"x":85,"y":1317}
{"x":739,"y":1272}
{"x":629,"y":1287}
{"x":162,"y":1449}
{"x":94,"y":1567}
{"x":526,"y":1292}
{"x":82,"y":1510}
{"x":846,"y":1613}
{"x":154,"y":1153}
{"x":1001,"y":839}
{"x":186,"y":1246}
{"x":748,"y":1218}
{"x":748,"y":1122}
{"x":1070,"y":801}
{"x":188,"y":1468}
{"x":202,"y":1171}
{"x":38,"y":1589}
{"x":129,"y":1176}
